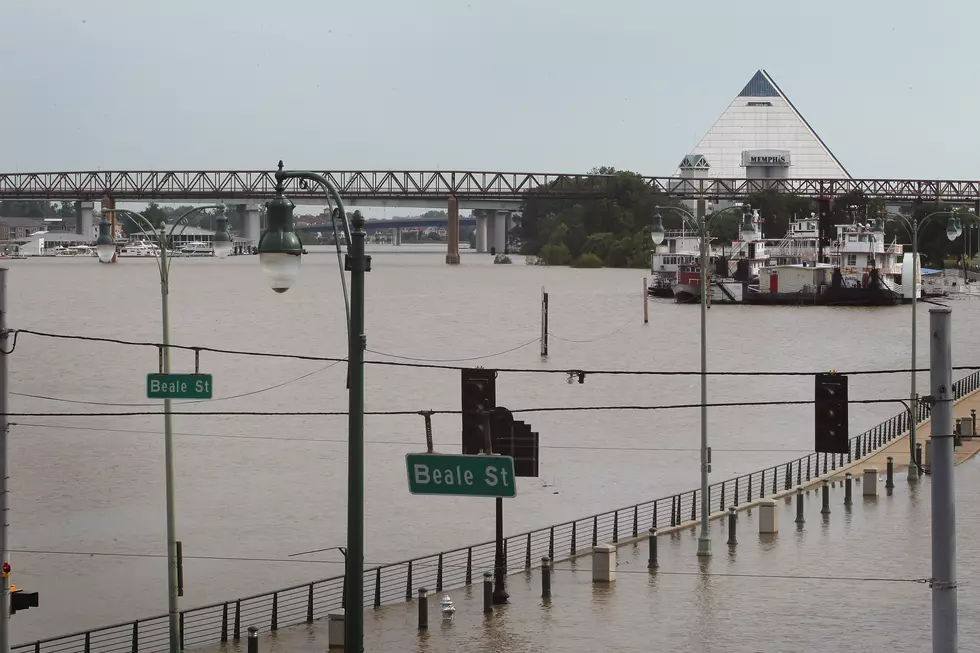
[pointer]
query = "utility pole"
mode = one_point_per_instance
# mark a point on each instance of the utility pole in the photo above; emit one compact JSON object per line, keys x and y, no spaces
{"x":944,"y":624}
{"x":5,"y":586}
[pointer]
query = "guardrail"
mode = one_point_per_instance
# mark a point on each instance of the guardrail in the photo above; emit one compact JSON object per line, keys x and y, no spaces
{"x":395,"y":582}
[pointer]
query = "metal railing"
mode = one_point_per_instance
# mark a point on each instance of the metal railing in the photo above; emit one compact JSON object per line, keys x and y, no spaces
{"x":399,"y":581}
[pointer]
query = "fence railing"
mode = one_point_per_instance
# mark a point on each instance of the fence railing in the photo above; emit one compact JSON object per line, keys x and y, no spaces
{"x":399,"y":581}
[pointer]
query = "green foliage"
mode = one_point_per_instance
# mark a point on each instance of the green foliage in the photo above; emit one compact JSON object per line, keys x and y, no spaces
{"x":26,"y":209}
{"x":615,"y":229}
{"x":587,"y":260}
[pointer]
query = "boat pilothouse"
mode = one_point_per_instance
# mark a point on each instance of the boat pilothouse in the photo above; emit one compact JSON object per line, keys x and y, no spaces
{"x":860,"y":248}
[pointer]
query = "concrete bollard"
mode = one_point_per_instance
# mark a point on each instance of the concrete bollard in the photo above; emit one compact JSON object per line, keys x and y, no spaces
{"x":423,"y":609}
{"x":768,"y":517}
{"x":890,"y":479}
{"x":253,"y":639}
{"x":847,"y":489}
{"x":800,"y":519}
{"x":603,"y":563}
{"x":918,"y":458}
{"x":546,"y":577}
{"x":927,"y":459}
{"x":732,"y":523}
{"x":870,"y":482}
{"x":487,"y":591}
{"x":825,"y":509}
{"x":652,"y":560}
{"x":335,"y":631}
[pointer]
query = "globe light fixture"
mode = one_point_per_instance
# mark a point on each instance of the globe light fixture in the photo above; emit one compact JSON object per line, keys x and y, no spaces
{"x":953,"y":228}
{"x":657,"y":232}
{"x":222,"y":242}
{"x":280,"y":250}
{"x":105,"y":244}
{"x":749,"y":232}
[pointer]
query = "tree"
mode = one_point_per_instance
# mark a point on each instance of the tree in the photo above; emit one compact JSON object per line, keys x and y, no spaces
{"x":26,"y":209}
{"x":66,"y":210}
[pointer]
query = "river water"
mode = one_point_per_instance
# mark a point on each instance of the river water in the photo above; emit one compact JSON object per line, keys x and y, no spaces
{"x":263,"y":488}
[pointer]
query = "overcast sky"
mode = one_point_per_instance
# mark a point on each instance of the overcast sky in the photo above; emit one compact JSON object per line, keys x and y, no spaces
{"x":529,"y":85}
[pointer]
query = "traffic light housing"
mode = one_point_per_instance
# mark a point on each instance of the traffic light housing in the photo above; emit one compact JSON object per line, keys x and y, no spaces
{"x":478,"y":396}
{"x":21,"y":600}
{"x":830,"y":412}
{"x":514,"y":438}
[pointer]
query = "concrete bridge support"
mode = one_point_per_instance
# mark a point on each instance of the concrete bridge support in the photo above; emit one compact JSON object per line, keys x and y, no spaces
{"x":396,"y":237}
{"x":253,"y":229}
{"x":481,"y":233}
{"x":452,"y":233}
{"x":83,"y":219}
{"x":500,"y":231}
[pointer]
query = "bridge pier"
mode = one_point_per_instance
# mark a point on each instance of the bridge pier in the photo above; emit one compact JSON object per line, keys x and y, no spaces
{"x":253,"y":230}
{"x":481,"y":233}
{"x":396,"y":238}
{"x":452,"y":233}
{"x":83,"y":218}
{"x":500,"y":231}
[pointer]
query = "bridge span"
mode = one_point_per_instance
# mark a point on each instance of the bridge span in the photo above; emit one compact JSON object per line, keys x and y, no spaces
{"x":502,"y":191}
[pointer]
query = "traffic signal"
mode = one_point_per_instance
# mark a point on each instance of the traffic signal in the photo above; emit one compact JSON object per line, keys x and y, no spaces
{"x":514,"y":438}
{"x":478,"y":396}
{"x":830,"y":404}
{"x":20,"y":600}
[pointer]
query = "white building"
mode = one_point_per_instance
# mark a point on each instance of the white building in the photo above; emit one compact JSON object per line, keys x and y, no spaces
{"x":762,"y":135}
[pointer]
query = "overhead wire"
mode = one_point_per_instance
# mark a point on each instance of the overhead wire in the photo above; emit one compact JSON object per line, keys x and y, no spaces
{"x":455,"y":360}
{"x":601,"y":337}
{"x":512,"y":370}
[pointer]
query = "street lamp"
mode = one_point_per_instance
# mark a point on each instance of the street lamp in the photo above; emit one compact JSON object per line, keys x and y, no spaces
{"x":749,"y":234}
{"x":280,"y":253}
{"x":912,"y":226}
{"x":106,"y":249}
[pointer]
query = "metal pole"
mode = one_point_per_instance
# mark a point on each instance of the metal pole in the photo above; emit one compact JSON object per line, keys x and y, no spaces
{"x":646,"y":302}
{"x":168,"y":452}
{"x":704,"y":539}
{"x":944,"y":623}
{"x":354,"y":603}
{"x":913,"y":472}
{"x":500,"y":594}
{"x":4,"y":345}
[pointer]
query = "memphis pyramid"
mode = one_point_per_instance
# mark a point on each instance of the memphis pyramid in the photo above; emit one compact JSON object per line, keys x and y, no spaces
{"x":761,"y":117}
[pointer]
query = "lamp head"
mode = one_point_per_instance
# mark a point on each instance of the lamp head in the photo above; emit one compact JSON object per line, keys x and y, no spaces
{"x":222,"y":242}
{"x":953,"y":228}
{"x":657,"y":232}
{"x":749,"y":233}
{"x":280,"y":250}
{"x":105,"y":244}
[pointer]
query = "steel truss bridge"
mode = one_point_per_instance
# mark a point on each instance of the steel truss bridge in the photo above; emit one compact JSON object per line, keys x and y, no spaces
{"x":438,"y":186}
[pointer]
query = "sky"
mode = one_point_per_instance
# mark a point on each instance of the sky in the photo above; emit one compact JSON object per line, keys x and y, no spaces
{"x":531,"y":85}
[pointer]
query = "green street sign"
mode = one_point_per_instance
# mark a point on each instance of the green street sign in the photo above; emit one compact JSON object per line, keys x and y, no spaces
{"x":469,"y":476}
{"x":178,"y":386}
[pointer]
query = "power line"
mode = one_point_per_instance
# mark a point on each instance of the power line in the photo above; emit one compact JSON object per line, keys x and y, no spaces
{"x":454,"y":360}
{"x":179,"y":403}
{"x":384,"y":442}
{"x":510,"y":370}
{"x":602,"y":337}
{"x":552,"y":409}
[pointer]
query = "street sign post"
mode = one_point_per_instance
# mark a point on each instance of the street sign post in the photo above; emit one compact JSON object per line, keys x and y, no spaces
{"x":179,"y":386}
{"x":453,"y":474}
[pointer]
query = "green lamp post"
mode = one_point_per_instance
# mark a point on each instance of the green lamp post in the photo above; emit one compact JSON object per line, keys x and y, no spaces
{"x":280,"y":255}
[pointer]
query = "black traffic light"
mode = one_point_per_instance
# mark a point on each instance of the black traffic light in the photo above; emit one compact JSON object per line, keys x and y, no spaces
{"x":514,"y":438}
{"x":20,"y":600}
{"x":830,"y":404}
{"x":478,"y":394}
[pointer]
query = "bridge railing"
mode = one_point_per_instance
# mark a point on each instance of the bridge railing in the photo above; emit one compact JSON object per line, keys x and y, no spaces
{"x":396,"y":582}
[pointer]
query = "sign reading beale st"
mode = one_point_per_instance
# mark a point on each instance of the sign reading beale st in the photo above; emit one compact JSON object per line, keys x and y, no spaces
{"x":460,"y":475}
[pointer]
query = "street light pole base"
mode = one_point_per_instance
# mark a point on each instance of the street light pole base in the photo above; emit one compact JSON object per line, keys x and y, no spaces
{"x":704,"y":546}
{"x":500,"y":595}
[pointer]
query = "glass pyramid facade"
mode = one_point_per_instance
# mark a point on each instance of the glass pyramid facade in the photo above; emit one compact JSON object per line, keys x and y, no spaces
{"x":761,"y":117}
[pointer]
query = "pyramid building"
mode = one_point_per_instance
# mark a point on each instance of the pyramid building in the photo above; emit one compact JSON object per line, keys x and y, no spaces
{"x":762,"y":135}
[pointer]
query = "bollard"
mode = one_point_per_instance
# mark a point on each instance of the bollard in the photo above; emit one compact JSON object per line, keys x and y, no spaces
{"x":546,"y":577}
{"x":335,"y":631}
{"x":423,"y":609}
{"x":825,"y":510}
{"x":732,"y":522}
{"x":253,"y":639}
{"x":487,"y":591}
{"x":870,"y":484}
{"x":890,"y":479}
{"x":652,"y":561}
{"x":799,"y":506}
{"x":768,"y":517}
{"x":918,"y":458}
{"x":603,"y":563}
{"x":847,"y":489}
{"x":927,"y":458}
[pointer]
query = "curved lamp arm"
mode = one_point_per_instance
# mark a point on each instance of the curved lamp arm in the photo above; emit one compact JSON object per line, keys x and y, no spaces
{"x":701,"y":227}
{"x":180,"y":221}
{"x":142,"y":222}
{"x":282,"y":175}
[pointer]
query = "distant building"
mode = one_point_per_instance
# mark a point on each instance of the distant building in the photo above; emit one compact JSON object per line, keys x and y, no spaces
{"x":14,"y":228}
{"x":762,"y":135}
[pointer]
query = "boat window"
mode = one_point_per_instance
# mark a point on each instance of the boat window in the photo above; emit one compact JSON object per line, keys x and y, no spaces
{"x":852,"y":260}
